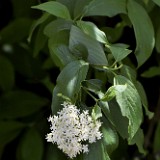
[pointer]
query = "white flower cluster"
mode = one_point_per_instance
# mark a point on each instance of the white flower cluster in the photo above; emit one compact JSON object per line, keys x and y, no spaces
{"x":71,"y":130}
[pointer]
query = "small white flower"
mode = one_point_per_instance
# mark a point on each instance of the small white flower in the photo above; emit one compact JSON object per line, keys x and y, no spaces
{"x":70,"y":129}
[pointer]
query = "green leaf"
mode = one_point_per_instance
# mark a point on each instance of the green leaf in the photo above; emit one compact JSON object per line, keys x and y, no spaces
{"x":129,"y":73}
{"x":156,"y":144}
{"x":9,"y":130}
{"x":96,"y":151}
{"x":55,"y":8}
{"x":93,"y":85}
{"x":30,"y":146}
{"x":7,"y":76}
{"x":42,"y":19}
{"x":143,"y":96}
{"x":112,"y":91}
{"x":158,"y":39}
{"x":156,"y":2}
{"x":110,"y":137}
{"x":53,"y":153}
{"x":20,"y":26}
{"x":138,"y":139}
{"x":119,"y":53}
{"x":93,"y":31}
{"x":17,"y":104}
{"x":116,"y":117}
{"x":114,"y":34}
{"x":56,"y":26}
{"x":25,"y":64}
{"x":40,"y":41}
{"x":69,"y":83}
{"x":79,"y":8}
{"x":96,"y":112}
{"x":58,"y":46}
{"x":151,"y":72}
{"x":108,"y":8}
{"x":70,"y":4}
{"x":96,"y":55}
{"x":21,"y":10}
{"x":144,"y":35}
{"x":130,"y":104}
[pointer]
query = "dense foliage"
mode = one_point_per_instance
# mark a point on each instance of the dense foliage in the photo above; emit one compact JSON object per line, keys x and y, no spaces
{"x":101,"y":55}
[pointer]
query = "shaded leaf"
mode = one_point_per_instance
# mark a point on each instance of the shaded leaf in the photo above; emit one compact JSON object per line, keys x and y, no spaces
{"x":93,"y":31}
{"x":9,"y":130}
{"x":30,"y":146}
{"x":116,"y":117}
{"x":138,"y":139}
{"x":96,"y":55}
{"x":20,"y":26}
{"x":144,"y":100}
{"x":58,"y":46}
{"x":16,"y":104}
{"x":110,"y":137}
{"x":93,"y":85}
{"x":42,"y":19}
{"x":69,"y":83}
{"x":55,"y":8}
{"x":151,"y":72}
{"x":158,"y":39}
{"x":156,"y":144}
{"x":7,"y":76}
{"x":144,"y":35}
{"x":130,"y":105}
{"x":96,"y":151}
{"x":40,"y":41}
{"x":53,"y":153}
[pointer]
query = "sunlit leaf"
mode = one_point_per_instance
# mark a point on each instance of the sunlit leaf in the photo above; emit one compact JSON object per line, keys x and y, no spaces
{"x":130,"y":104}
{"x":96,"y":112}
{"x":108,"y":8}
{"x":55,"y":8}
{"x":157,"y":2}
{"x":112,"y":91}
{"x":96,"y":55}
{"x":93,"y":31}
{"x":56,"y":26}
{"x":118,"y":52}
